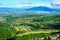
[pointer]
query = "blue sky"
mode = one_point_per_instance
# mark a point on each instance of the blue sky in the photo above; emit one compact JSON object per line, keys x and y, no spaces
{"x":25,"y":3}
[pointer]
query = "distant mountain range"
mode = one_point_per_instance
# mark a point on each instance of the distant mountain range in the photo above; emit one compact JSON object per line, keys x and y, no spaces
{"x":9,"y":9}
{"x":39,"y":8}
{"x":42,"y":8}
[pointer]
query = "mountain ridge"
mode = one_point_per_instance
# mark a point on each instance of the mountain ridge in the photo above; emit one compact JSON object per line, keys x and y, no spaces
{"x":39,"y":8}
{"x":43,"y":8}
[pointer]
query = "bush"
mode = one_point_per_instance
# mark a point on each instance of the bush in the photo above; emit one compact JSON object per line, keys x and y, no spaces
{"x":6,"y":33}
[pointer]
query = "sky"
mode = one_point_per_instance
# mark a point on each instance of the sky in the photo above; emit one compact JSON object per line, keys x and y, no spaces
{"x":28,"y":3}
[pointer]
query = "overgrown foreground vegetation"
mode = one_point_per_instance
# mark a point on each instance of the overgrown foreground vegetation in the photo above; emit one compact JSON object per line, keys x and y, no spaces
{"x":28,"y":27}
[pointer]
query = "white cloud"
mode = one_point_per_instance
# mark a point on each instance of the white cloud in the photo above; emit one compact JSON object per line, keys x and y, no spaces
{"x":26,"y":5}
{"x":35,"y":5}
{"x":56,"y":3}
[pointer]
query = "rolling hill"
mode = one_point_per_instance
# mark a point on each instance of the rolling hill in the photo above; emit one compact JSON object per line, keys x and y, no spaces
{"x":42,"y":8}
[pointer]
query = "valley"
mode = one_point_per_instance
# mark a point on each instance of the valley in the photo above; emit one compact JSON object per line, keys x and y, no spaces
{"x":28,"y":27}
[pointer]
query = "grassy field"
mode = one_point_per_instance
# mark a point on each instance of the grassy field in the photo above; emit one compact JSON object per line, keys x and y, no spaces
{"x":35,"y":34}
{"x":27,"y":27}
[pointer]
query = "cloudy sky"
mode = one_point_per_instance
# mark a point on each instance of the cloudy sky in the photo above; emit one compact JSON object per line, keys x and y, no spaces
{"x":28,"y":3}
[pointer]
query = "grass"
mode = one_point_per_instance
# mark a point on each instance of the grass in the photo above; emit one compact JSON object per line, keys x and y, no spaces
{"x":35,"y":34}
{"x":39,"y":31}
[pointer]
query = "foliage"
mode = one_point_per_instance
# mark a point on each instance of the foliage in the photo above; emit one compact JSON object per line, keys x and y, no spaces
{"x":11,"y":26}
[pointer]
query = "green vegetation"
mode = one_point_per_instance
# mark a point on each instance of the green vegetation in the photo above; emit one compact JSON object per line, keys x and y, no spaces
{"x":6,"y":33}
{"x":26,"y":27}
